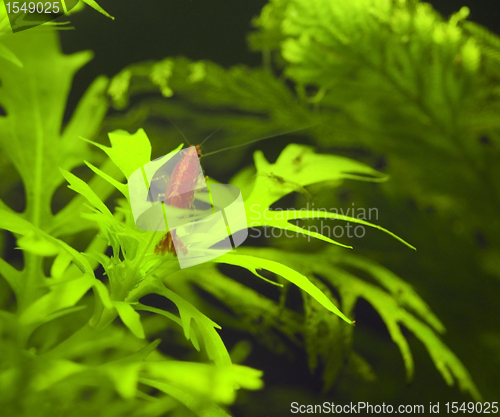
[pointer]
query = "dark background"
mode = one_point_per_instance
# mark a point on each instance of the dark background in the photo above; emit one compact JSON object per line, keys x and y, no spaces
{"x":215,"y":30}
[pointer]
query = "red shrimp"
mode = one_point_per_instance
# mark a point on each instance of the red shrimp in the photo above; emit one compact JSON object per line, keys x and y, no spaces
{"x":180,"y":190}
{"x":180,"y":193}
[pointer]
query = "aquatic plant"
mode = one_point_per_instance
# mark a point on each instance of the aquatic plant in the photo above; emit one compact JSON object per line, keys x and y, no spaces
{"x":84,"y":304}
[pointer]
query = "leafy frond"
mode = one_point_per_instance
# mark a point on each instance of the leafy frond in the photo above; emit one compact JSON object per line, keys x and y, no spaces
{"x":398,"y":79}
{"x":394,"y":300}
{"x":91,"y":297}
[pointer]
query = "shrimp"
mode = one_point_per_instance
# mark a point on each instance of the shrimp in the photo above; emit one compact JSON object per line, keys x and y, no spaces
{"x":180,"y":189}
{"x":290,"y":184}
{"x":180,"y":193}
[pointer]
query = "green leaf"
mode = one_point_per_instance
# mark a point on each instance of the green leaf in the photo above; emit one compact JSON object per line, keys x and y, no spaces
{"x":94,"y":5}
{"x":296,"y":167}
{"x":218,"y":384}
{"x":321,"y":333}
{"x":37,"y":245}
{"x":16,"y":224}
{"x":35,"y":113}
{"x":118,"y":185}
{"x":130,"y":318}
{"x":125,"y":376}
{"x":175,"y":319}
{"x":102,"y":292}
{"x":200,"y":406}
{"x":254,"y":263}
{"x":81,"y":187}
{"x":11,"y":275}
{"x":403,"y":293}
{"x":397,"y":78}
{"x":128,"y":151}
{"x":54,"y":371}
{"x":396,"y":307}
{"x":214,"y":346}
{"x":62,"y":295}
{"x":446,"y":362}
{"x":60,"y":265}
{"x":253,"y":312}
{"x":5,"y":53}
{"x":89,"y":112}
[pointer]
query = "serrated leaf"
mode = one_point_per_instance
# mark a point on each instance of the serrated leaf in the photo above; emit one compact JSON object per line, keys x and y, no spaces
{"x":403,"y":293}
{"x":118,"y":185}
{"x":394,"y":311}
{"x":81,"y":187}
{"x":254,"y":263}
{"x":254,"y":312}
{"x":296,"y":167}
{"x":128,"y":151}
{"x":31,"y":130}
{"x":214,"y":346}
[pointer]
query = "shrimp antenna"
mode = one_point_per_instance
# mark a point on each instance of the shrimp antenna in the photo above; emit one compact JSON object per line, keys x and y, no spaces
{"x":258,"y":140}
{"x":209,"y":136}
{"x":178,"y":130}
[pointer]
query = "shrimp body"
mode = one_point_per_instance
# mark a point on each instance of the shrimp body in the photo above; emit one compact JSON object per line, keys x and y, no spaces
{"x":180,"y":193}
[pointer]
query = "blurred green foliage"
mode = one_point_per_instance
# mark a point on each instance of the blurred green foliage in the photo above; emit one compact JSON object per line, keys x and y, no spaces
{"x":79,"y":324}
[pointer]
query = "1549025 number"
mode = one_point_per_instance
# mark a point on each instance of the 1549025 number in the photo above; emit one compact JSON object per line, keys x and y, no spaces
{"x":472,"y":407}
{"x":32,"y":7}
